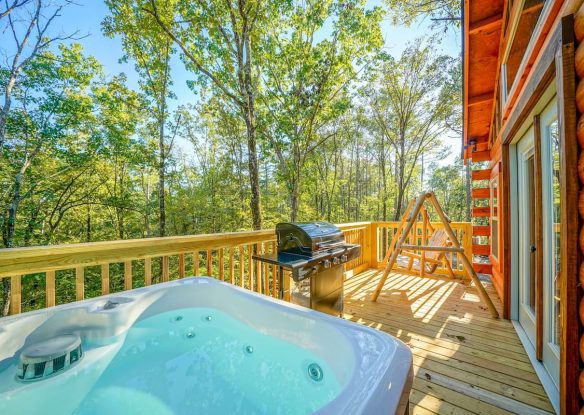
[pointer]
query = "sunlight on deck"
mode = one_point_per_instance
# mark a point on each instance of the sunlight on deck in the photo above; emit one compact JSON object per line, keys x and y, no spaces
{"x":464,"y":361}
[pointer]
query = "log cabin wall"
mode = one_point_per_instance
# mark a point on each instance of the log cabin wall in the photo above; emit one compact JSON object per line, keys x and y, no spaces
{"x":547,"y":56}
{"x":579,"y":64}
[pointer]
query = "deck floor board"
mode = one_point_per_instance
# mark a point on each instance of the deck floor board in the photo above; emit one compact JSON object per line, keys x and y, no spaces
{"x":464,"y":361}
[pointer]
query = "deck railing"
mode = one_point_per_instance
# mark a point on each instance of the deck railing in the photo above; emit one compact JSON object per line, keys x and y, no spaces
{"x":49,"y":275}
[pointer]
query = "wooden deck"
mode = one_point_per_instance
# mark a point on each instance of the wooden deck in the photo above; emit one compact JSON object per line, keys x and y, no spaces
{"x":464,"y":361}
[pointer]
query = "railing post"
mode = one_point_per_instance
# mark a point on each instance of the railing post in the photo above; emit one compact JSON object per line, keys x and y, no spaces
{"x":50,"y":288}
{"x":373,"y":245}
{"x":15,"y":294}
{"x":79,"y":283}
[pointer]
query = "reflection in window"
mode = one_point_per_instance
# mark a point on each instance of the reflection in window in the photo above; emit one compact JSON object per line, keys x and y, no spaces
{"x":528,"y":18}
{"x":555,"y":200}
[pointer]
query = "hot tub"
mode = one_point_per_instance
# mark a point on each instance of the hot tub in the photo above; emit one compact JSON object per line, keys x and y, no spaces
{"x":197,"y":346}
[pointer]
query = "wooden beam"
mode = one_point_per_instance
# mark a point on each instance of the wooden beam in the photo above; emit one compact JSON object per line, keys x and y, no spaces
{"x":15,"y":294}
{"x":465,"y":261}
{"x":488,"y":23}
{"x":480,"y":99}
{"x":482,"y":146}
{"x":569,"y":189}
{"x":432,"y":248}
{"x":481,"y":174}
{"x":395,"y":252}
{"x":50,"y":288}
{"x":127,"y":275}
{"x":481,"y":249}
{"x":481,"y":212}
{"x":481,"y":193}
{"x":79,"y":283}
{"x":484,"y":155}
{"x":481,"y":231}
{"x":482,"y":268}
{"x":105,"y":279}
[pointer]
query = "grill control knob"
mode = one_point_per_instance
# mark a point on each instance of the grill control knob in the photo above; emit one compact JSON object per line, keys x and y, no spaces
{"x":326,"y":263}
{"x":336,"y":261}
{"x":344,"y":258}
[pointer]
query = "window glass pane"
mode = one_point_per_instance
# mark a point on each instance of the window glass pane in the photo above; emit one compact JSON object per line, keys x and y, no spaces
{"x":555,"y":200}
{"x":525,"y":27}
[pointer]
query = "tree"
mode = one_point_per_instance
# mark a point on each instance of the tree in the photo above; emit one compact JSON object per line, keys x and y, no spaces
{"x":151,"y":50}
{"x":411,"y":103}
{"x":448,"y":183}
{"x":307,"y":80}
{"x":51,"y":100}
{"x":12,"y":6}
{"x":445,"y":12}
{"x":219,"y":41}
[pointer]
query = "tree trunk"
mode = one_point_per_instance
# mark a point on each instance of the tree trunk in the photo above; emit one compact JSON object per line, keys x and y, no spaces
{"x":161,"y":179}
{"x":8,"y":236}
{"x":294,"y":199}
{"x":250,"y":125}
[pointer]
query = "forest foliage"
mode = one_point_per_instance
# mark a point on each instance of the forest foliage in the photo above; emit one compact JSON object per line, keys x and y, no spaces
{"x":298,"y":113}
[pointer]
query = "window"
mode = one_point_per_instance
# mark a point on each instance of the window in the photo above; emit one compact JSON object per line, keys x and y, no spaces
{"x":494,"y":217}
{"x":554,"y":143}
{"x":525,"y":16}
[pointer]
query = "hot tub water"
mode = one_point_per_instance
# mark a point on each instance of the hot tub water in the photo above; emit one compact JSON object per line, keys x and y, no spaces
{"x":194,"y":361}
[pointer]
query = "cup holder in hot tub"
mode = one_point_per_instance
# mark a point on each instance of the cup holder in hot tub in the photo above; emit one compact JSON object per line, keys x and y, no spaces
{"x":110,"y":304}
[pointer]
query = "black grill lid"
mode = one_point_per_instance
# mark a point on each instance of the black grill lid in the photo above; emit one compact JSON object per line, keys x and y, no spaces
{"x":307,"y":238}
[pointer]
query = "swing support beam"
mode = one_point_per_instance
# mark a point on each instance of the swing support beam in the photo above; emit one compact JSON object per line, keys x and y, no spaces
{"x":400,"y":245}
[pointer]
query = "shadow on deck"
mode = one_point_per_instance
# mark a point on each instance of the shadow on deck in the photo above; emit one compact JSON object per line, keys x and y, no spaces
{"x":464,"y":361}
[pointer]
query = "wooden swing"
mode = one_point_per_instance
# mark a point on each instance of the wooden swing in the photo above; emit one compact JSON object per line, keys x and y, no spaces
{"x":435,"y":249}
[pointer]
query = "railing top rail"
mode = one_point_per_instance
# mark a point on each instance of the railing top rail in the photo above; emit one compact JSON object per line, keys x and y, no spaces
{"x":28,"y":260}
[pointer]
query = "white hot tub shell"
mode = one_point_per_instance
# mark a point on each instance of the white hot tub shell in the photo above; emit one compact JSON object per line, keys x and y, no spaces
{"x":374,"y":369}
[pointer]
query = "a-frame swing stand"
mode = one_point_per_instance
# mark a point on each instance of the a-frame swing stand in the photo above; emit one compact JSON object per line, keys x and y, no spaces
{"x":430,"y":197}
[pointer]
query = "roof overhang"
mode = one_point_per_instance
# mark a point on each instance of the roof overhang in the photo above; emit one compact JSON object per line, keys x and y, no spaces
{"x":482,"y":40}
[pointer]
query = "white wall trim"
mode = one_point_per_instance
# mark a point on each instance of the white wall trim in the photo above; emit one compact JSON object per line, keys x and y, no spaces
{"x":546,"y":380}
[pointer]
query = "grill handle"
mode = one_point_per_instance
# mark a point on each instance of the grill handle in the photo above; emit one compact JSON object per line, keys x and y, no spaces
{"x":325,"y":245}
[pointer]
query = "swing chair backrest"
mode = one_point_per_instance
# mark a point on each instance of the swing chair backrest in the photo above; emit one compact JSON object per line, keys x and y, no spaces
{"x":439,"y":238}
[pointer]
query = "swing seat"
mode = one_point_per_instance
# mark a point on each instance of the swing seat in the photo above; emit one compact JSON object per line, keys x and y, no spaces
{"x":433,"y":258}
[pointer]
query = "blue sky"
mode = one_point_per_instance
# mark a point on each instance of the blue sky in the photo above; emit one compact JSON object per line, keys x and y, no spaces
{"x":87,"y":16}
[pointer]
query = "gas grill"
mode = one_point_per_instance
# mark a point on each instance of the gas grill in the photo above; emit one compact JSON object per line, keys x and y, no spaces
{"x":313,"y":253}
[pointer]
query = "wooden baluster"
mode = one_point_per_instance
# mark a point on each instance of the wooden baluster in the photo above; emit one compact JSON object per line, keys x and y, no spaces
{"x":241,"y":263}
{"x":105,"y":279}
{"x":274,"y":274}
{"x":258,"y":270}
{"x":181,"y":265}
{"x":165,"y":271}
{"x":424,"y":242}
{"x":250,"y":266}
{"x":221,"y":275}
{"x":50,"y":288}
{"x":286,"y":284}
{"x":232,"y":265}
{"x":265,"y":273}
{"x":196,"y":263}
{"x":209,"y":263}
{"x":127,"y":275}
{"x":15,"y":294}
{"x":79,"y":283}
{"x":147,"y":271}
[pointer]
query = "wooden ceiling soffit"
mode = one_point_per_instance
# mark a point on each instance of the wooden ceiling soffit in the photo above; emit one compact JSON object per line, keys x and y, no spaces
{"x":491,"y":22}
{"x":482,"y":27}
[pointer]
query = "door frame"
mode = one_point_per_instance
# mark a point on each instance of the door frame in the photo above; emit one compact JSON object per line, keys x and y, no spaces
{"x":555,"y":66}
{"x":546,"y":349}
{"x":531,"y":125}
